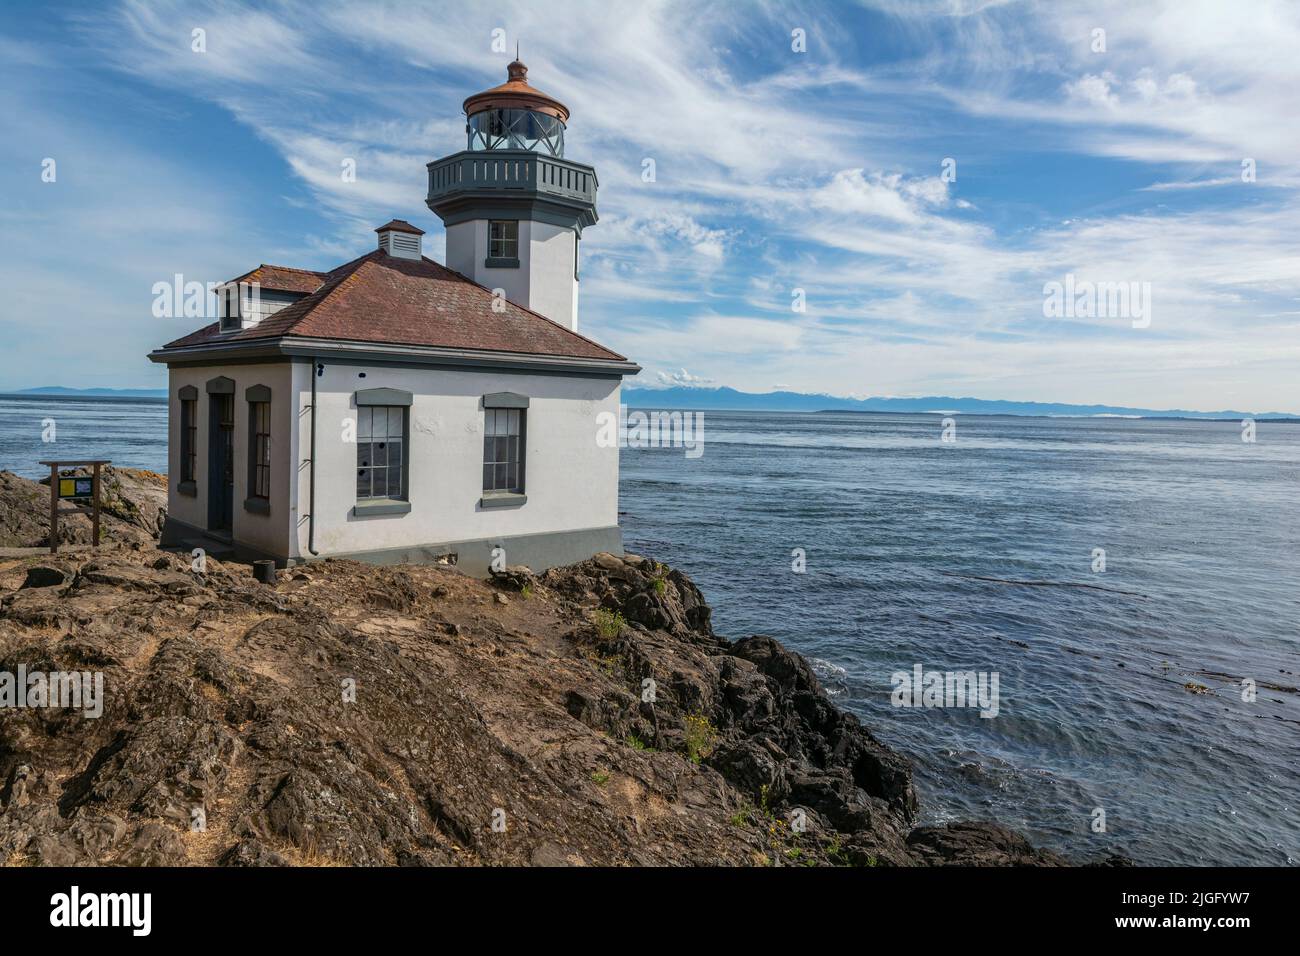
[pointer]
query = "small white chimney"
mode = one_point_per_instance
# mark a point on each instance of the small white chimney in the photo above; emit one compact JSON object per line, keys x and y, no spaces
{"x":399,"y":238}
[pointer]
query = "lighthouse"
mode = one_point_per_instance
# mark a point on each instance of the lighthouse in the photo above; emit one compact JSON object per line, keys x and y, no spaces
{"x":513,"y":205}
{"x":475,"y":407}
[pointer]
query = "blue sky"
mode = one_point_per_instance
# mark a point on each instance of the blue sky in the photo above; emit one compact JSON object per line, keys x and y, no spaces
{"x":775,"y":170}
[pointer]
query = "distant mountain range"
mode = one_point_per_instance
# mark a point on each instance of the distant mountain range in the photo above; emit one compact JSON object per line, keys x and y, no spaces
{"x":729,"y":399}
{"x":94,"y":392}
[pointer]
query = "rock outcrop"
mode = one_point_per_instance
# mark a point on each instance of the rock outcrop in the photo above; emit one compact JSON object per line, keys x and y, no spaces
{"x":350,"y":714}
{"x":133,"y":506}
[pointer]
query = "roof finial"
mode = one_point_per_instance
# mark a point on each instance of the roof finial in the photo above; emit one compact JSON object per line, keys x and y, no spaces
{"x":516,"y":93}
{"x":516,"y":71}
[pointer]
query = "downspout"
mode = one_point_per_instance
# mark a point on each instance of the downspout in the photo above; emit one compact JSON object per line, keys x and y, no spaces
{"x":311,"y":486}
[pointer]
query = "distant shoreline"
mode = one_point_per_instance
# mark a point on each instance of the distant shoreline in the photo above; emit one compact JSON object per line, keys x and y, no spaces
{"x":729,"y":399}
{"x":1157,"y":417}
{"x":160,"y":398}
{"x":932,"y":414}
{"x":85,"y":396}
{"x":50,"y":390}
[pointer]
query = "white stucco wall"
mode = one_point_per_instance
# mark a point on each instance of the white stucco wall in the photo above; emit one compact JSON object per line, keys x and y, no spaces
{"x":553,"y":291}
{"x":466,"y":250}
{"x":543,"y":282}
{"x":571,"y":483}
{"x":270,"y":533}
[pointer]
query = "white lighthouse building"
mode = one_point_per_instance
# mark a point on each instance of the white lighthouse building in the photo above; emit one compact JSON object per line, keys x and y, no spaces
{"x":394,"y":409}
{"x":513,"y":206}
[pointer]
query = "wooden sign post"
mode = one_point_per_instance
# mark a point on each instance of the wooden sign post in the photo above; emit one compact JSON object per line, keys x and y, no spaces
{"x":74,"y":489}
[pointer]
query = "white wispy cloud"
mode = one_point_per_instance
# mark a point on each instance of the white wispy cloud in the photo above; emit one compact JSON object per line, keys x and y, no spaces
{"x":778,"y":171}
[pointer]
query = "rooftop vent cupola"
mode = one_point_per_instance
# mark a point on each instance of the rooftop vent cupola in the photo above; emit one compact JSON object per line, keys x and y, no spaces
{"x":513,"y":206}
{"x":399,"y":238}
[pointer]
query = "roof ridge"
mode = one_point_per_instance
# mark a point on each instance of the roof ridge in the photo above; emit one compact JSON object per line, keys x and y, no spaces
{"x":266,"y":265}
{"x":269,"y":265}
{"x":308,"y":304}
{"x":524,"y":308}
{"x":356,"y":262}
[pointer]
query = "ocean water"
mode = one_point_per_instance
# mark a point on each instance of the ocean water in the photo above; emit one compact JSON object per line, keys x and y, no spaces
{"x":130,"y":432}
{"x":1201,"y":586}
{"x":1120,"y":691}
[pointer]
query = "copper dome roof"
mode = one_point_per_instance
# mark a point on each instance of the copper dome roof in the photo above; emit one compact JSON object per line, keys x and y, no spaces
{"x":516,"y":94}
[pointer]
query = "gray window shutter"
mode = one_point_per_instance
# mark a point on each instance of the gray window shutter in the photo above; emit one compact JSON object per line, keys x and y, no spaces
{"x":505,"y":400}
{"x":382,"y":396}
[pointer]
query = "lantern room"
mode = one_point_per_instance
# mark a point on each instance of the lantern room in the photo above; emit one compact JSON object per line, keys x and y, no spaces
{"x":513,"y":205}
{"x":515,"y":115}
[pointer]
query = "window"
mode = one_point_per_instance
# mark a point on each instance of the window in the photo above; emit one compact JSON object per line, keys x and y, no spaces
{"x":258,"y":499}
{"x":503,"y":239}
{"x":381,"y":431}
{"x":228,"y":300}
{"x":189,"y":435}
{"x":516,"y":129}
{"x":503,"y":464}
{"x":259,"y":418}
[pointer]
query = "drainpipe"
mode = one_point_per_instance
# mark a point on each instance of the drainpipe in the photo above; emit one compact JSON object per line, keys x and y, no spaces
{"x":311,"y":487}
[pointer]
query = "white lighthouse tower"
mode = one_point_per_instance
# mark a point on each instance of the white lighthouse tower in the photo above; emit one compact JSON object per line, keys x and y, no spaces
{"x":513,"y":206}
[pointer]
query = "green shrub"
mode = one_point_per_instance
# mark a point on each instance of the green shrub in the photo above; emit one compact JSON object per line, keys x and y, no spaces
{"x":610,"y":624}
{"x":835,"y":852}
{"x":701,"y":737}
{"x":742,"y":817}
{"x":660,"y":578}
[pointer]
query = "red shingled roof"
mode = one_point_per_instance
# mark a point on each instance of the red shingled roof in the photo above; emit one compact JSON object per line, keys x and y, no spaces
{"x":283,"y":278}
{"x":385,"y":299}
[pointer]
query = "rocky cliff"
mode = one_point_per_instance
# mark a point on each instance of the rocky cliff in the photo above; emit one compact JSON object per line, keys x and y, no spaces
{"x":350,"y":714}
